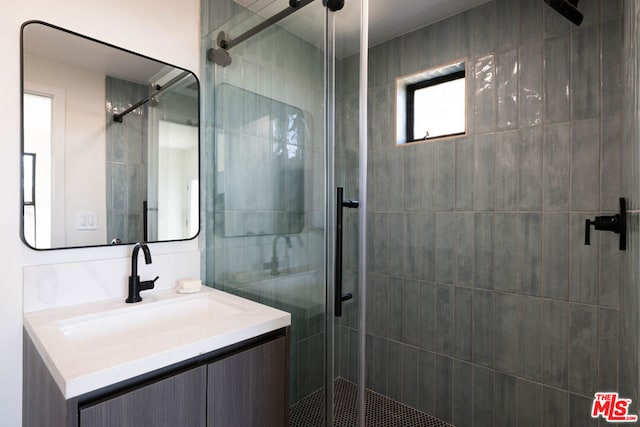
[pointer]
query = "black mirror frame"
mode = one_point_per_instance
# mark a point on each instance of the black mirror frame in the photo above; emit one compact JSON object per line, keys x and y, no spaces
{"x":22,"y":236}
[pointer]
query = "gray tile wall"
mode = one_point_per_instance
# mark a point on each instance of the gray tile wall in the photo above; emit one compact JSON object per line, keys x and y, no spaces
{"x":484,"y":305}
{"x":126,"y":159}
{"x":627,"y":326}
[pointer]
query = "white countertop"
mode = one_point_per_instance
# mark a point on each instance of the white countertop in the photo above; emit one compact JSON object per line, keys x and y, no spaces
{"x":90,"y":346}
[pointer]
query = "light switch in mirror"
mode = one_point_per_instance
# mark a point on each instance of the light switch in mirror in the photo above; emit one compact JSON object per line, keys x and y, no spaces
{"x":110,"y":147}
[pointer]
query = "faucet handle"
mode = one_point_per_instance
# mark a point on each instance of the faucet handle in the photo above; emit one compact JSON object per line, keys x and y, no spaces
{"x":587,"y":231}
{"x":616,"y":223}
{"x":148,"y":284}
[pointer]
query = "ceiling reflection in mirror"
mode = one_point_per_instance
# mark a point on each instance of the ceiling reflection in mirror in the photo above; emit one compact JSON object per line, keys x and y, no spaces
{"x":110,"y":144}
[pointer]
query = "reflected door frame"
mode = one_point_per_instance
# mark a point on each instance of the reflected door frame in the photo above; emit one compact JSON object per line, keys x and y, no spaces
{"x":56,"y":159}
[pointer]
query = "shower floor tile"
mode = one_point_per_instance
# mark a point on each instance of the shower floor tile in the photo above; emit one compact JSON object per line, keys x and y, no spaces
{"x":380,"y":410}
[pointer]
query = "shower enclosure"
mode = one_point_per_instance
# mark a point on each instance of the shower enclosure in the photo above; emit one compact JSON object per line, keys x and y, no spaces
{"x":278,"y":150}
{"x":471,"y":294}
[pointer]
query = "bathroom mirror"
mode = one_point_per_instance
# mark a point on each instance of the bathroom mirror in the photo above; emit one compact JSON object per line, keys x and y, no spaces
{"x":269,"y":197}
{"x":110,"y":143}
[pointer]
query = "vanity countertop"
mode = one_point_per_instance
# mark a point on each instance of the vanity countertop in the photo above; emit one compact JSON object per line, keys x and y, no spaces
{"x":90,"y":346}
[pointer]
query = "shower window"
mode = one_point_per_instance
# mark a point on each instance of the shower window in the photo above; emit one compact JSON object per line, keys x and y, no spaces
{"x":431,"y":104}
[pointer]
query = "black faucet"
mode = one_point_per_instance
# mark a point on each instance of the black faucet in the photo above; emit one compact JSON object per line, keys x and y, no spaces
{"x":273,"y":265}
{"x":135,"y":285}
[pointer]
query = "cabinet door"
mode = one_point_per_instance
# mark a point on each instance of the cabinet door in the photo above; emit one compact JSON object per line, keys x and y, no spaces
{"x":248,"y":389}
{"x":179,"y":400}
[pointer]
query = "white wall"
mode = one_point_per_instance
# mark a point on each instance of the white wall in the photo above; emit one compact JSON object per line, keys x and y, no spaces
{"x":84,"y":146}
{"x":178,"y":167}
{"x":163,"y":29}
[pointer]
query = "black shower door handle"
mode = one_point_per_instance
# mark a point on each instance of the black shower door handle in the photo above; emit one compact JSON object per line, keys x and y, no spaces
{"x":340,"y":203}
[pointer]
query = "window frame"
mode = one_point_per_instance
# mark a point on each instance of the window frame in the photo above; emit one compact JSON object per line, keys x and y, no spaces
{"x":410,"y":95}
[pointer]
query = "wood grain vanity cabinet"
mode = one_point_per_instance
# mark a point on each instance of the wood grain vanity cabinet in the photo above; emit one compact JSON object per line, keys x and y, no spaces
{"x":243,"y":385}
{"x":179,"y":400}
{"x":247,"y":388}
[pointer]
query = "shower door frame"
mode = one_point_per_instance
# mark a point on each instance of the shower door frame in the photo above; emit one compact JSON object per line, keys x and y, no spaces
{"x":331,"y":209}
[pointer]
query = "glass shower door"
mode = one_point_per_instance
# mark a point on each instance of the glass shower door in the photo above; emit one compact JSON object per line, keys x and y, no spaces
{"x":346,"y":134}
{"x":284,"y":118}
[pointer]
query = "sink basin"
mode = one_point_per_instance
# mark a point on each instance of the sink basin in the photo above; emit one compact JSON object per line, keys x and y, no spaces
{"x":143,"y":320}
{"x":90,"y":346}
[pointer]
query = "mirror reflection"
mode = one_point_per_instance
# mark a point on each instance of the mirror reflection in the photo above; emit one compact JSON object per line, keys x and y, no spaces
{"x":110,"y":144}
{"x":268,"y":198}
